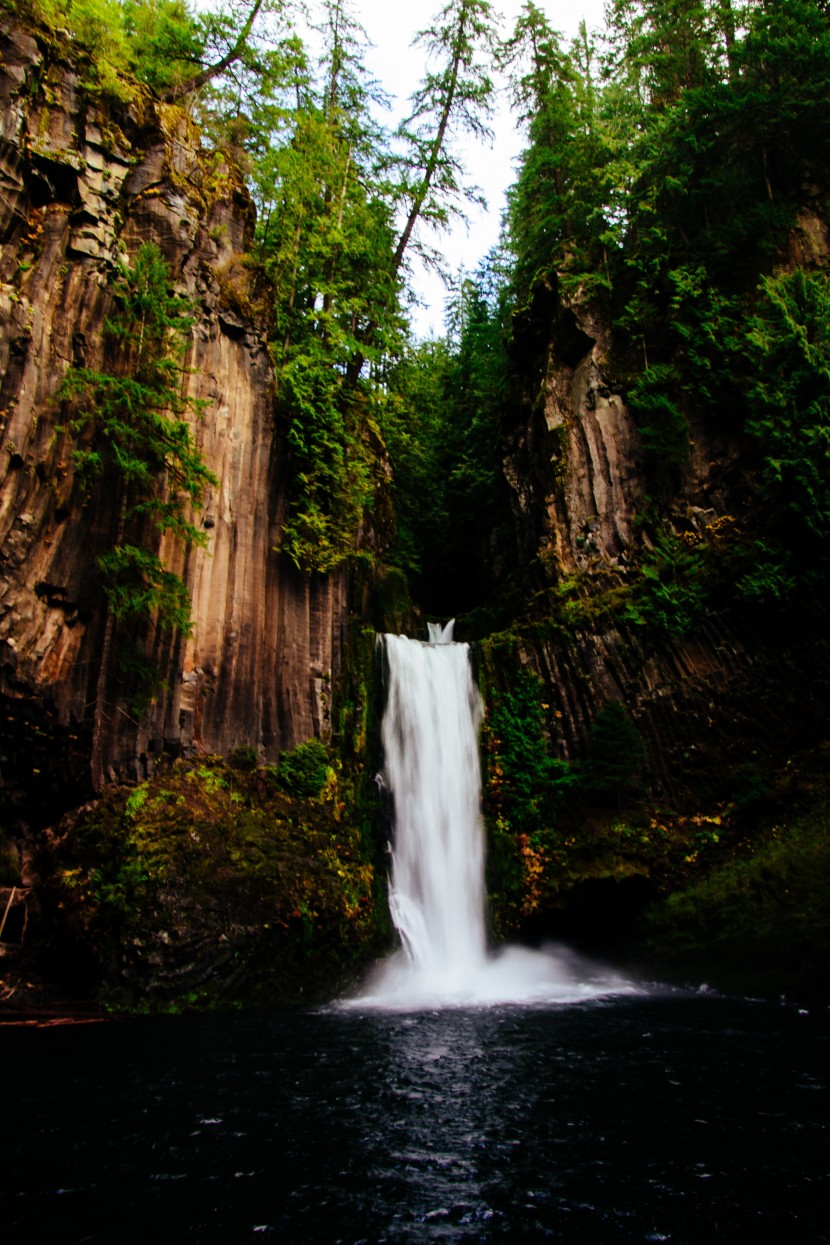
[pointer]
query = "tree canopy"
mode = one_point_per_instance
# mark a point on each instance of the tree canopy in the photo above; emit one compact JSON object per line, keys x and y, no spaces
{"x":666,"y":157}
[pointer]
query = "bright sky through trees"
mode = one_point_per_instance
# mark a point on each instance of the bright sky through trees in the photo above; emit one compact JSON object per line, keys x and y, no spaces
{"x":398,"y":67}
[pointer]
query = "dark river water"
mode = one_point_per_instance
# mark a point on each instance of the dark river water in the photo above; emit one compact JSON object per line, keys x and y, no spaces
{"x":675,"y":1117}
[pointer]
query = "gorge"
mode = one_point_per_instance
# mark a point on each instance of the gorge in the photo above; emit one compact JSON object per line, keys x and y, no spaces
{"x":591,"y":470}
{"x":304,"y":920}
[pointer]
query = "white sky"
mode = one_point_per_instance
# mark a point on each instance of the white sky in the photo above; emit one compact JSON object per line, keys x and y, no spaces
{"x":391,"y":25}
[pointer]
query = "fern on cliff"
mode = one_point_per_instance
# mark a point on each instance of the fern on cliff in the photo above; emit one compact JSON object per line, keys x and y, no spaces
{"x":134,"y":437}
{"x":132,"y":430}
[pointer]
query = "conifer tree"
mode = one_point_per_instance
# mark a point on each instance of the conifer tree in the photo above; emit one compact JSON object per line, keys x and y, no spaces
{"x":455,"y":97}
{"x":133,"y":436}
{"x":616,"y":757}
{"x":328,"y":243}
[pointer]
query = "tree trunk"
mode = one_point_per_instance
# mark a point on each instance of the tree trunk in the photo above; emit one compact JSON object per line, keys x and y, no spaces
{"x":96,"y":762}
{"x":355,"y":365}
{"x":200,"y":79}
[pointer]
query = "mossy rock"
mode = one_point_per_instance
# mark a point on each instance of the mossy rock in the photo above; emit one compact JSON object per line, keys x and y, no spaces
{"x":207,"y":887}
{"x":760,"y":916}
{"x":391,"y":603}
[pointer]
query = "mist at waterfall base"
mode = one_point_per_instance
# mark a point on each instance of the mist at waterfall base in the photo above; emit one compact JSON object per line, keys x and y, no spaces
{"x":436,"y":888}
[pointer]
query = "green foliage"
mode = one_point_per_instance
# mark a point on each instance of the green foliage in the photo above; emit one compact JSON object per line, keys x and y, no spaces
{"x":727,"y":94}
{"x":752,"y":786}
{"x":772,"y":577}
{"x":621,"y":196}
{"x":139,"y":675}
{"x":789,"y":398}
{"x":526,"y":784}
{"x":719,"y":122}
{"x":663,"y":428}
{"x":765,"y":904}
{"x":616,"y":757}
{"x":206,"y":856}
{"x":707,"y":323}
{"x":245,"y":758}
{"x":333,"y":454}
{"x":331,"y":189}
{"x":212,"y":779}
{"x":685,"y":575}
{"x":556,"y":219}
{"x":97,"y":29}
{"x":326,"y":241}
{"x":633,"y":150}
{"x":304,"y":771}
{"x":134,"y":435}
{"x":166,"y":42}
{"x":414,"y":423}
{"x":672,"y":592}
{"x":454,"y":96}
{"x":442,"y":426}
{"x":137,"y":585}
{"x":525,"y":794}
{"x":123,"y":43}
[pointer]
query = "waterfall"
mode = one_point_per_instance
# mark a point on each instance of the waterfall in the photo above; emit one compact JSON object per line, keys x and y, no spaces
{"x":430,"y":744}
{"x":436,"y":883}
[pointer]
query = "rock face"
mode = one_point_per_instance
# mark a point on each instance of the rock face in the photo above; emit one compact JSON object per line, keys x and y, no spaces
{"x":573,"y":455}
{"x":81,"y":187}
{"x":736,"y":693}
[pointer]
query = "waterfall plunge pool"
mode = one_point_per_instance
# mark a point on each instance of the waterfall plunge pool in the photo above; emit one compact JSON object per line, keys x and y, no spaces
{"x":597,"y":1111}
{"x":680,"y":1116}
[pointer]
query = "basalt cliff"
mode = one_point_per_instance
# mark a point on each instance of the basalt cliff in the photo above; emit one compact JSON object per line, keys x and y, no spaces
{"x":83,"y":186}
{"x":742,"y":686}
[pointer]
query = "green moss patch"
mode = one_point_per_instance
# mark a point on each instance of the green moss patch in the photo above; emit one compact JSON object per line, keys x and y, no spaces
{"x":761,"y":916}
{"x":208,"y":886}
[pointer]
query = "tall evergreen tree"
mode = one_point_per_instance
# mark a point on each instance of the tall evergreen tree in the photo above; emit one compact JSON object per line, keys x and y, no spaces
{"x":556,"y":211}
{"x":326,"y":242}
{"x":454,"y":98}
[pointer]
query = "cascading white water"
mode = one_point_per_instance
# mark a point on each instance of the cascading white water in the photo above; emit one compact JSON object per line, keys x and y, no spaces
{"x":436,"y":886}
{"x":430,"y":744}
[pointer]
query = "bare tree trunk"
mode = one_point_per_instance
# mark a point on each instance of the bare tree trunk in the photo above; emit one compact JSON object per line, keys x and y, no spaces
{"x":331,"y":265}
{"x":767,"y":181}
{"x":96,"y":762}
{"x":298,"y":233}
{"x":728,"y":25}
{"x":429,"y":170}
{"x":204,"y":75}
{"x":356,"y":362}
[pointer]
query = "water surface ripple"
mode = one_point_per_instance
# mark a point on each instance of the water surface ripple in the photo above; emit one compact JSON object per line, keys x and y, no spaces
{"x":682,"y":1118}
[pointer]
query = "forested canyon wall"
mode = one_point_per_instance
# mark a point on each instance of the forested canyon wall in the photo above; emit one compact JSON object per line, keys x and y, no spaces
{"x":714,"y":696}
{"x":82,"y":187}
{"x":612,"y":468}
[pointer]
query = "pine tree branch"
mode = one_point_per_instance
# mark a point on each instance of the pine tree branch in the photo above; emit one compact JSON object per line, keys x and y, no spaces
{"x":204,"y":76}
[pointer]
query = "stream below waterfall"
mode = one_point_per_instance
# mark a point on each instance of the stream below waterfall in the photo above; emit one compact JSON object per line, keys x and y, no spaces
{"x":675,"y":1116}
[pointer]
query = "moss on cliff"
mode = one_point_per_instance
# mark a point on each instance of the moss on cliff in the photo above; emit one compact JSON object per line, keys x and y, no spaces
{"x":208,"y":886}
{"x":761,"y":914}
